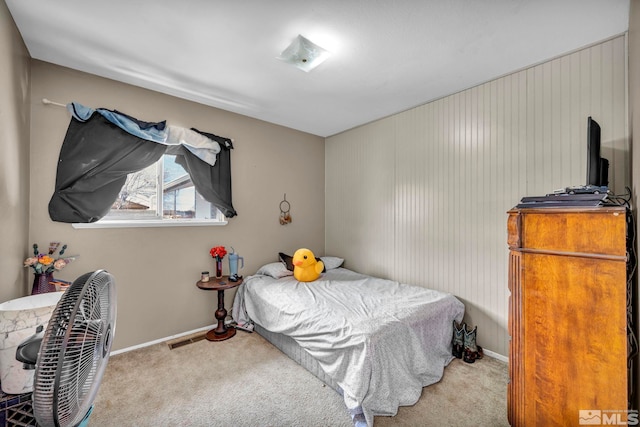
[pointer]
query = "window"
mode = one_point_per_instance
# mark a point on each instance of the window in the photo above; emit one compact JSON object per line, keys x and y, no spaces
{"x":162,"y":194}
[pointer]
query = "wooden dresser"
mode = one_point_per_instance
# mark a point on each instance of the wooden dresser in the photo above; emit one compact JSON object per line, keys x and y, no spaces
{"x":567,"y":315}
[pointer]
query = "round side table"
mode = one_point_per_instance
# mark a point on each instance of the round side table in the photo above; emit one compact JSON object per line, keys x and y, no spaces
{"x":221,"y":332}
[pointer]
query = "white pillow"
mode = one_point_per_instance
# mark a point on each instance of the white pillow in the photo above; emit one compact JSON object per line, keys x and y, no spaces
{"x":276,"y":270}
{"x":331,"y":262}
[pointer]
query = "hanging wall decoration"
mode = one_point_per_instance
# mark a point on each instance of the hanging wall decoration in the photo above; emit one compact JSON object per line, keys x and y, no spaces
{"x":285,"y":208}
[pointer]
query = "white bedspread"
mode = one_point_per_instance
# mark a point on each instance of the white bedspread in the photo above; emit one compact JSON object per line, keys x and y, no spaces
{"x":381,"y":341}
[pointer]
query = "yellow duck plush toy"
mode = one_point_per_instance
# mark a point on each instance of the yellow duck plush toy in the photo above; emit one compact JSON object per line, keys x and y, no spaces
{"x":305,"y":266}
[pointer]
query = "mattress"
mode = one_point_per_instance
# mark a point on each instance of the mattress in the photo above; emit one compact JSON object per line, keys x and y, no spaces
{"x":377,"y":342}
{"x":290,"y":347}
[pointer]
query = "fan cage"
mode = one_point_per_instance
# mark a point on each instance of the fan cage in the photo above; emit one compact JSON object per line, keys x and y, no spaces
{"x":74,"y":351}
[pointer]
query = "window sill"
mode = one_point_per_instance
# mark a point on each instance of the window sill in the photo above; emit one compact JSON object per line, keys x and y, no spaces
{"x":150,"y":223}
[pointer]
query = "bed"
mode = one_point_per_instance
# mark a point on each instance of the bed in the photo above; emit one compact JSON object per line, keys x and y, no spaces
{"x":377,"y":342}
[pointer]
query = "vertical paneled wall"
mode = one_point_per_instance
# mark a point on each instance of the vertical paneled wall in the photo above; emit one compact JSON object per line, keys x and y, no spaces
{"x":421,"y":196}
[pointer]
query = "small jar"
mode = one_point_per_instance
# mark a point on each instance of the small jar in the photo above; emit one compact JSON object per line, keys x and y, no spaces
{"x":205,"y":276}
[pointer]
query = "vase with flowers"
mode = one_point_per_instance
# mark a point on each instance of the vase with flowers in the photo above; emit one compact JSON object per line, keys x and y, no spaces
{"x":218,"y":253}
{"x":44,"y":264}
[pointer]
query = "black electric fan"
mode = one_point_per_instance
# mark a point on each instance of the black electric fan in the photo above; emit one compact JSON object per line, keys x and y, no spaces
{"x":73,"y":352}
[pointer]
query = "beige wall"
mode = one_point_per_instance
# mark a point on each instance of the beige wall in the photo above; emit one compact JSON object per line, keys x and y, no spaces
{"x":156,"y":268}
{"x":634,"y":114}
{"x":14,"y":162}
{"x":421,"y":196}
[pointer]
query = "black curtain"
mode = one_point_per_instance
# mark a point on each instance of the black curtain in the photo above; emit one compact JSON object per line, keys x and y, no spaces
{"x":212,"y":182}
{"x":96,"y":157}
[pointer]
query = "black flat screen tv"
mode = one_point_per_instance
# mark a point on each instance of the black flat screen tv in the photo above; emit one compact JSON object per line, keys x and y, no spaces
{"x":597,"y":167}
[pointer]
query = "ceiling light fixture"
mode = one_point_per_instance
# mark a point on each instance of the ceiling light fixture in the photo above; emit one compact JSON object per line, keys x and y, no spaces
{"x":304,"y":54}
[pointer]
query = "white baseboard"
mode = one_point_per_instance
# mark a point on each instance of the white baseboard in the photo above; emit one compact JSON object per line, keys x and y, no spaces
{"x":206,"y":328}
{"x":161,"y":340}
{"x":495,"y":355}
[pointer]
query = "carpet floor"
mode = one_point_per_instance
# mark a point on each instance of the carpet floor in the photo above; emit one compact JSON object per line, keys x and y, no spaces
{"x":245,"y":381}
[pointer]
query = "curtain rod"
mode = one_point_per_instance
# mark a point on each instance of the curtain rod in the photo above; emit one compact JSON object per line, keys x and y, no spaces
{"x":46,"y":101}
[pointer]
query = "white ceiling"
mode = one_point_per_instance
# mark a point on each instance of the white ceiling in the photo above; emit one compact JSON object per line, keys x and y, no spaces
{"x":387,"y":56}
